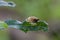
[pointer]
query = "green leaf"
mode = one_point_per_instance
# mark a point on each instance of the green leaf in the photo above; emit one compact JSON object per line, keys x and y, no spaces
{"x":3,"y":25}
{"x":25,"y":30}
{"x":41,"y":25}
{"x":26,"y":26}
{"x":12,"y":22}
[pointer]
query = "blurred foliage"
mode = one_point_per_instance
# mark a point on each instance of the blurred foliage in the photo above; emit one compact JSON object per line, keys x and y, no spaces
{"x":3,"y":25}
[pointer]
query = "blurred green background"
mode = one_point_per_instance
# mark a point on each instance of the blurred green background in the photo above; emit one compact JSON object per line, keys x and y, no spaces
{"x":44,"y":9}
{"x":48,"y":10}
{"x":40,"y":8}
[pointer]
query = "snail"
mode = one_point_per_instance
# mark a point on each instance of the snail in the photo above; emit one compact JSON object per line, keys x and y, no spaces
{"x":32,"y":19}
